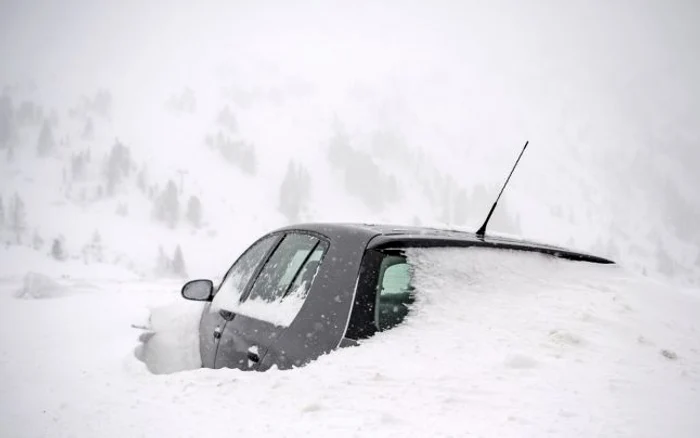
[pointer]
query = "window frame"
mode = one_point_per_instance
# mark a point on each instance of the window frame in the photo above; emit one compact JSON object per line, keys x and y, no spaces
{"x":277,"y":236}
{"x":363,"y":322}
{"x":282,"y":235}
{"x":381,"y":275}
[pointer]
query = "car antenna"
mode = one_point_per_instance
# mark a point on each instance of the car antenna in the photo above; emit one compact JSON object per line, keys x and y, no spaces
{"x":482,"y":231}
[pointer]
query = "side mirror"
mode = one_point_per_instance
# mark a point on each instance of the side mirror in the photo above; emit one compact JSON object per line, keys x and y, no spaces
{"x":198,"y":290}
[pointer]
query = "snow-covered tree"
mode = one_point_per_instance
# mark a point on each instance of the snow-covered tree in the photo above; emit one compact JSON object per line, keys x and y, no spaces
{"x":194,"y":211}
{"x":362,"y":176}
{"x":178,"y":265}
{"x":46,"y":141}
{"x":237,"y":152}
{"x":167,"y":205}
{"x":294,"y":192}
{"x":2,"y":213}
{"x":163,"y":263}
{"x":102,"y":103}
{"x":29,"y":114}
{"x":142,"y":180}
{"x":93,"y":250}
{"x":57,"y":250}
{"x":78,"y":166}
{"x":118,"y":166}
{"x":17,"y":218}
{"x":37,"y":240}
{"x":227,"y":120}
{"x":53,"y":117}
{"x":88,"y":130}
{"x":6,"y":121}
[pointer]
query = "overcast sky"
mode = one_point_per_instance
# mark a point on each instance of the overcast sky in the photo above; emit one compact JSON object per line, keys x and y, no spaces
{"x":629,"y":67}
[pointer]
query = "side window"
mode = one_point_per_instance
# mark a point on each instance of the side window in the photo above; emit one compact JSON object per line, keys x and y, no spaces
{"x":283,"y":267}
{"x":302,"y":282}
{"x":394,"y":292}
{"x":237,"y":278}
{"x":281,"y":288}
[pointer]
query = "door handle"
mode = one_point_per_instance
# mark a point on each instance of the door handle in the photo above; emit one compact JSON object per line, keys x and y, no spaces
{"x":217,"y":333}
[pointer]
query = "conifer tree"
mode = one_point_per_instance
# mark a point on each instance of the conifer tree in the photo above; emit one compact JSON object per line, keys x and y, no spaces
{"x":2,"y":214}
{"x":57,"y":250}
{"x":194,"y":211}
{"x":294,"y":192}
{"x":6,"y":121}
{"x":118,"y":166}
{"x":178,"y":264}
{"x":46,"y":141}
{"x":17,"y":219}
{"x":167,"y":206}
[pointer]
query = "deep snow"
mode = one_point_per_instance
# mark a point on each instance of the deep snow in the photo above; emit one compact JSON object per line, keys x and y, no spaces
{"x":439,"y":98}
{"x":498,"y":344}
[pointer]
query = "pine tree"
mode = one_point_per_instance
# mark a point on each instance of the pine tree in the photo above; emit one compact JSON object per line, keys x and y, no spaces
{"x":141,"y":180}
{"x":17,"y":219}
{"x":168,"y":205}
{"x":102,"y":103}
{"x":194,"y":211}
{"x":178,"y":265}
{"x":2,"y":214}
{"x":118,"y":166}
{"x":294,"y":192}
{"x":77,"y":166}
{"x":88,"y":130}
{"x":6,"y":122}
{"x":93,"y":250}
{"x":57,"y":250}
{"x":227,"y":119}
{"x":46,"y":141}
{"x":37,"y":240}
{"x":164,"y":265}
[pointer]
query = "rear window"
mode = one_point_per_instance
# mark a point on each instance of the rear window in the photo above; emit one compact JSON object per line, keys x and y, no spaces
{"x":394,"y":292}
{"x":384,"y":294}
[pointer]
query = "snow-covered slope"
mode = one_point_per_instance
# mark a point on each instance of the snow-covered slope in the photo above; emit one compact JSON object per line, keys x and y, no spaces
{"x":141,"y":145}
{"x":320,"y":121}
{"x":498,"y":344}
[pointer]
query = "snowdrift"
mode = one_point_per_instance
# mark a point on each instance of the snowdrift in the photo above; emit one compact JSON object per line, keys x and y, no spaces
{"x":498,"y":343}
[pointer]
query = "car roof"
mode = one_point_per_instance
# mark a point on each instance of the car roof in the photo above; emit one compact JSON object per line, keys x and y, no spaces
{"x":387,"y":236}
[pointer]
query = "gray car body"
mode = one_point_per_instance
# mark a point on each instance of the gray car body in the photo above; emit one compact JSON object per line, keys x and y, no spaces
{"x":338,"y":308}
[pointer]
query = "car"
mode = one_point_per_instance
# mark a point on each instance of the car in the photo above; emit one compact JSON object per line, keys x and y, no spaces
{"x":302,"y":291}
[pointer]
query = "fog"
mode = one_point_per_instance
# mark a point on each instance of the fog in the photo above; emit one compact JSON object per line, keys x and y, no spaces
{"x":437,"y":98}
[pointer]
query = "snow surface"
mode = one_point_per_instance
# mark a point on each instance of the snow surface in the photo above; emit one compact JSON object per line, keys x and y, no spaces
{"x":439,"y":99}
{"x":497,"y":344}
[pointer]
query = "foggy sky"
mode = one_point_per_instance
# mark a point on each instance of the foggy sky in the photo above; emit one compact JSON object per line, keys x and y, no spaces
{"x":618,"y":77}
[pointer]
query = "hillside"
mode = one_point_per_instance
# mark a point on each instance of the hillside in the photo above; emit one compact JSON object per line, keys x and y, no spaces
{"x":331,"y":124}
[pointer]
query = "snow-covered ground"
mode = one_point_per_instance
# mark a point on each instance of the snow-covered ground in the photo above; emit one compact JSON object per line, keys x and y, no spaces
{"x":498,"y":344}
{"x":140,"y":143}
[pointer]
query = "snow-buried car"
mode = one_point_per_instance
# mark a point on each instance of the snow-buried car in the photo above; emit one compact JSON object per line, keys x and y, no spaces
{"x":305,"y":290}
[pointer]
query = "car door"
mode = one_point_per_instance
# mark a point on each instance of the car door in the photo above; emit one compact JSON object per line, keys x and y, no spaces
{"x":271,"y":304}
{"x":234,"y":284}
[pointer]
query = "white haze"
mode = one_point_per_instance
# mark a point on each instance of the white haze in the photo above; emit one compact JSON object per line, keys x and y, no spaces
{"x":443,"y":94}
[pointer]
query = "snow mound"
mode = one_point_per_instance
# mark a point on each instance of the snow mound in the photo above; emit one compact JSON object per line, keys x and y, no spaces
{"x":39,"y":286}
{"x":169,"y":341}
{"x":498,"y":344}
